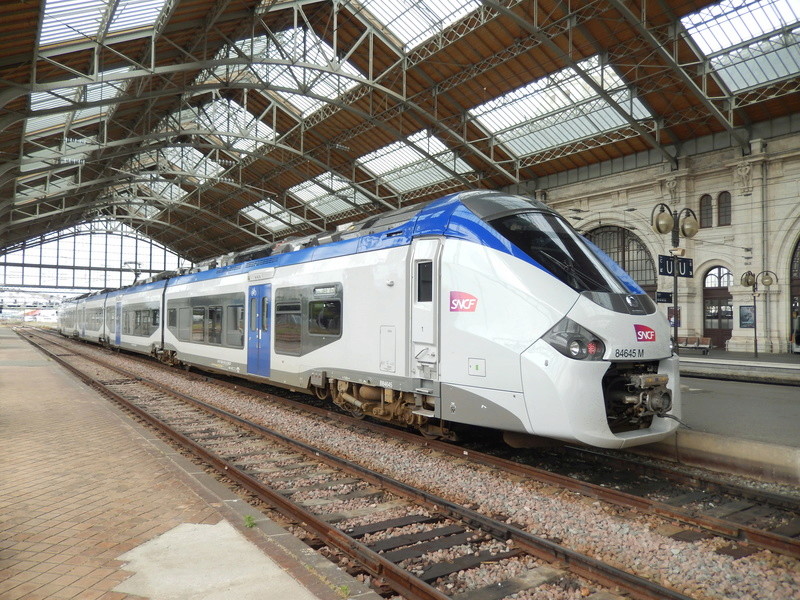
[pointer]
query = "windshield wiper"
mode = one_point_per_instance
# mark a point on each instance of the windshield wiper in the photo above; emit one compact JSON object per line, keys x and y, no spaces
{"x":579,"y":277}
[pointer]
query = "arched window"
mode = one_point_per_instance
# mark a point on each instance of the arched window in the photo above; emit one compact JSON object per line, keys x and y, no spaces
{"x":629,"y":252}
{"x":724,"y":209}
{"x":718,"y":277}
{"x":706,"y":211}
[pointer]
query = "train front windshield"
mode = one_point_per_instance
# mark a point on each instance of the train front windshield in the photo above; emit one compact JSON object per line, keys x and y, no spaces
{"x":554,"y":245}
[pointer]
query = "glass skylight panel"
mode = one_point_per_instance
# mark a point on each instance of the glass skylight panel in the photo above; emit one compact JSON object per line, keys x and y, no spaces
{"x":60,"y":157}
{"x":79,"y":20}
{"x":749,"y":44}
{"x":134,"y":204}
{"x":405,"y":166}
{"x":66,"y":20}
{"x":54,"y":185}
{"x":558,"y":109}
{"x":297,"y":46}
{"x":271,"y":216}
{"x":41,"y":101}
{"x":142,"y":209}
{"x":136,"y":14}
{"x":329,"y":194}
{"x":191,"y":161}
{"x":415,"y":21}
{"x":162,"y":189}
{"x":65,"y":97}
{"x":97,"y":92}
{"x":228,"y":117}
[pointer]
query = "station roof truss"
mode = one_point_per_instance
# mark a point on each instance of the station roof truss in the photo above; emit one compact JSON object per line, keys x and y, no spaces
{"x":212,"y":126}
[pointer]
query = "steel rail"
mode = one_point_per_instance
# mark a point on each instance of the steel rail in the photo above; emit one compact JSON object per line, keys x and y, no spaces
{"x":407,"y":584}
{"x":401,"y":581}
{"x":771,"y":541}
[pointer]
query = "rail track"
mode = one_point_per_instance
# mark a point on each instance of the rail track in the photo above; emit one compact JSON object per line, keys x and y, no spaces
{"x":320,"y":491}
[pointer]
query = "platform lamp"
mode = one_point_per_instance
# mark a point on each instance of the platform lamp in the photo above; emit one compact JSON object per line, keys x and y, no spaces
{"x":750,"y":279}
{"x":678,"y":223}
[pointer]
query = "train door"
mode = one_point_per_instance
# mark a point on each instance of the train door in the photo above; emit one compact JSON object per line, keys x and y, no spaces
{"x":424,"y":359}
{"x":258,"y":330}
{"x":118,"y":322}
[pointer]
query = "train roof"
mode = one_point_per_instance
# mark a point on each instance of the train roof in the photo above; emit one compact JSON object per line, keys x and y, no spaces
{"x":461,"y":215}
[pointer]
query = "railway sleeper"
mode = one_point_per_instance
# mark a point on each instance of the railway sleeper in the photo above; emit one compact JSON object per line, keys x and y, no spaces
{"x":362,"y":530}
{"x":398,"y":541}
{"x":441,"y":543}
{"x":464,"y":563}
{"x":321,"y":502}
{"x":325,"y":485}
{"x":533,"y":578}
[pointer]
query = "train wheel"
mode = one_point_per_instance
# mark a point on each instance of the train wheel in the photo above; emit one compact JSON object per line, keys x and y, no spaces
{"x":354,"y":412}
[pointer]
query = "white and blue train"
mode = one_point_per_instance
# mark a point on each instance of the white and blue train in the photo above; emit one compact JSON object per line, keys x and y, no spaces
{"x":480,"y":308}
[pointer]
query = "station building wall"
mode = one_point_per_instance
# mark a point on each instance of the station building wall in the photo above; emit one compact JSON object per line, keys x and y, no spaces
{"x":763,"y":234}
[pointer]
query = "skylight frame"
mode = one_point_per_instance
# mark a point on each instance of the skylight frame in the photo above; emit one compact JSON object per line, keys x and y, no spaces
{"x":565,"y":109}
{"x":190,"y":161}
{"x":288,"y":59}
{"x":330,"y":194}
{"x":160,"y":188}
{"x":271,"y":216}
{"x":220,"y":115}
{"x":414,"y":22}
{"x":402,"y":167}
{"x":770,"y":51}
{"x":70,"y":21}
{"x":94,"y":91}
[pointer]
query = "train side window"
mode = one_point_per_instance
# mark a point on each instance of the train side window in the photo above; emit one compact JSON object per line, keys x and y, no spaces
{"x":425,"y":281}
{"x":265,"y":314}
{"x":214,"y":324}
{"x":253,"y":317}
{"x":185,"y":324}
{"x":234,"y":333}
{"x":325,"y":317}
{"x":172,"y":317}
{"x":198,"y":324}
{"x":156,"y":317}
{"x":287,"y":328}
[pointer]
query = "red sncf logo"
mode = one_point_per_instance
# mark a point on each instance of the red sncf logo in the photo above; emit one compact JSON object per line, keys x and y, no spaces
{"x":462,"y":302}
{"x":644,"y":333}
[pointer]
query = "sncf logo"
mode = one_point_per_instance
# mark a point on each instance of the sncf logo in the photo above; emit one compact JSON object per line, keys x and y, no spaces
{"x":462,"y":302}
{"x":644,"y":333}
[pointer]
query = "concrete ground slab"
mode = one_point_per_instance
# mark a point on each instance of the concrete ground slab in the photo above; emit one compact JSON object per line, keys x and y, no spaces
{"x":213,"y":562}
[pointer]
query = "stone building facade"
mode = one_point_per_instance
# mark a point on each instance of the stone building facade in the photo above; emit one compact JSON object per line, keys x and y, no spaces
{"x":748,"y":205}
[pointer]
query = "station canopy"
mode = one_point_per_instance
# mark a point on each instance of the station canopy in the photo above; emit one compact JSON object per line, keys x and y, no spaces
{"x":212,"y":126}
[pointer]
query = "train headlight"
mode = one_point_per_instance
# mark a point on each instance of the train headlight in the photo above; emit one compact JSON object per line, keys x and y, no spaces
{"x":574,"y":341}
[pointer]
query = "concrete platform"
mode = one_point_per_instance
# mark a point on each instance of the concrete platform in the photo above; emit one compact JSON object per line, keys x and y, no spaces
{"x":782,"y":369}
{"x":727,"y":445}
{"x":94,"y":506}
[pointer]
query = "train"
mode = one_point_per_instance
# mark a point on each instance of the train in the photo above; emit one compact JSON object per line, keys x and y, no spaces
{"x":481,"y":308}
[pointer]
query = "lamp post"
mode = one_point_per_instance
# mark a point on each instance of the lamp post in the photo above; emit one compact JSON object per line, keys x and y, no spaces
{"x":678,"y":223}
{"x":750,"y":279}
